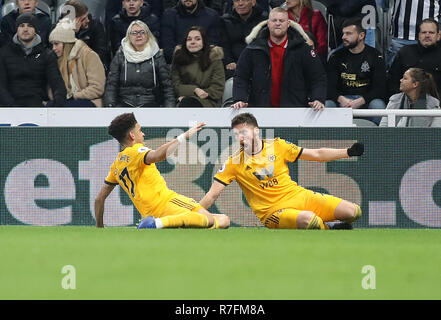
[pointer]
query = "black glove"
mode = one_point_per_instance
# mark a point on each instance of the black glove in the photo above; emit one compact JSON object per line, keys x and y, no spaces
{"x":357,"y":149}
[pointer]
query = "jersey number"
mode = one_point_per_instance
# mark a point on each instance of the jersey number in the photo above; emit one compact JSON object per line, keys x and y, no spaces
{"x":125,"y":173}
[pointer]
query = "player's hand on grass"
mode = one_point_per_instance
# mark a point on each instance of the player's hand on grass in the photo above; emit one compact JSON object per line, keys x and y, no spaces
{"x":357,"y":149}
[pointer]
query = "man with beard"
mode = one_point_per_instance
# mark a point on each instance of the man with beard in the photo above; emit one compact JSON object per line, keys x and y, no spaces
{"x":28,"y":68}
{"x":260,"y":168}
{"x":177,"y":20}
{"x":356,"y":72}
{"x":425,"y":55}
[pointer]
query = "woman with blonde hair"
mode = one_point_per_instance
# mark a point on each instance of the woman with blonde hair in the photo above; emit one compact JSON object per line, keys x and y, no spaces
{"x":312,"y":21}
{"x":418,"y":91}
{"x":139,"y":75}
{"x":81,"y":68}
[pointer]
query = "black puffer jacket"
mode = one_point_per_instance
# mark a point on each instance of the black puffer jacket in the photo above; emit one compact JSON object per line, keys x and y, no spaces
{"x":233,"y":33}
{"x":24,"y":78}
{"x":303,"y":80}
{"x":133,"y":84}
{"x":121,"y":21}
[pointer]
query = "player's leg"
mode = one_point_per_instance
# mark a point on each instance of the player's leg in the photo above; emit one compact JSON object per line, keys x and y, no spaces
{"x":220,"y":221}
{"x":294,"y":219}
{"x":347,"y":211}
{"x":184,"y":212}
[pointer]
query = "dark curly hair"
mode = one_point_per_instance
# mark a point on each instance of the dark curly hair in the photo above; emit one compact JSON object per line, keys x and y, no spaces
{"x":121,"y":125}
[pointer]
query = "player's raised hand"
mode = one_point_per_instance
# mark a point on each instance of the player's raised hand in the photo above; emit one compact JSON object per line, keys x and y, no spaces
{"x":357,"y":149}
{"x":194,"y":129}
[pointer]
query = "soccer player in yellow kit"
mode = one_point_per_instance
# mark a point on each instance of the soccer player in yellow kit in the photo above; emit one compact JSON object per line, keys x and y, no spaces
{"x":260,"y":168}
{"x":135,"y":171}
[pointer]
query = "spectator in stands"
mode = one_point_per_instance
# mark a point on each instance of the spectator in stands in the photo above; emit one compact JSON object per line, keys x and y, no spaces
{"x":197,"y":71}
{"x":90,"y":31}
{"x":356,"y":73}
{"x":81,"y":68}
{"x":407,"y":15}
{"x":425,"y":55}
{"x":263,"y":4}
{"x":418,"y":91}
{"x":27,"y":68}
{"x":235,"y":26}
{"x":186,"y":14}
{"x":113,"y":7}
{"x":301,"y":11}
{"x":278,"y":67}
{"x":343,"y":9}
{"x":139,"y":75}
{"x":132,"y":10}
{"x":43,"y":26}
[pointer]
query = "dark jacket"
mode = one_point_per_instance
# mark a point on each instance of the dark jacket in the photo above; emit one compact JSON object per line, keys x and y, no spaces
{"x":132,"y":84}
{"x":176,"y":21}
{"x":303,"y":80}
{"x":233,"y":33}
{"x":121,"y":21}
{"x":415,"y":55}
{"x":95,"y":37}
{"x":362,"y":74}
{"x":8,"y":28}
{"x":24,"y":79}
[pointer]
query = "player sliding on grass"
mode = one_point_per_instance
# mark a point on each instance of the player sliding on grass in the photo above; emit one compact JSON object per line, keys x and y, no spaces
{"x":260,"y":168}
{"x":135,"y":171}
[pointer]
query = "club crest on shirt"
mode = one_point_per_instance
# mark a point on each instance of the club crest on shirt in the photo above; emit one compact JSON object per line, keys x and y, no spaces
{"x":271,"y":158}
{"x":313,"y":54}
{"x":222,"y":169}
{"x":365,"y":67}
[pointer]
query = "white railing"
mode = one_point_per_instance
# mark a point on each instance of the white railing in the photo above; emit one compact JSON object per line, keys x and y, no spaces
{"x":393,"y":113}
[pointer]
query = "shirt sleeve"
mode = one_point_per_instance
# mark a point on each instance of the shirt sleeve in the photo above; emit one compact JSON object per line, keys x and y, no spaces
{"x":291,"y":151}
{"x":225,"y":174}
{"x":111,"y":179}
{"x":140,"y":154}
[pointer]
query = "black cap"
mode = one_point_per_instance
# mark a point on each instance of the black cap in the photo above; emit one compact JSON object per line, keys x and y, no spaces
{"x":27,"y":17}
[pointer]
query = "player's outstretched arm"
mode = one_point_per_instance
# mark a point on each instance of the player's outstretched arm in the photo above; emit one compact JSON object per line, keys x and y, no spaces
{"x":211,"y":196}
{"x":168,"y":148}
{"x":106,"y":189}
{"x":329,"y":154}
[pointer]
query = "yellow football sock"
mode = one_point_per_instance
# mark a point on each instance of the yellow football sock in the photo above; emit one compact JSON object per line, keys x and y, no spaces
{"x":316,"y":223}
{"x":215,"y":224}
{"x":186,"y":220}
{"x":357,"y":215}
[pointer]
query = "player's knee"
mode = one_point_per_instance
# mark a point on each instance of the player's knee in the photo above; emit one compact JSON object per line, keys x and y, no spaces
{"x":355,"y":214}
{"x":304,"y":218}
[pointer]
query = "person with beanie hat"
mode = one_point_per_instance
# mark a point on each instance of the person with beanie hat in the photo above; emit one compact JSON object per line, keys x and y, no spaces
{"x":42,"y":22}
{"x":81,"y":68}
{"x":28,"y":68}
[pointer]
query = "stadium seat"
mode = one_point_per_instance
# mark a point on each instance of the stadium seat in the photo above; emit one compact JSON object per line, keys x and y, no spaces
{"x":97,"y":8}
{"x":227,"y":97}
{"x":316,"y":5}
{"x":363,"y":123}
{"x":43,"y":6}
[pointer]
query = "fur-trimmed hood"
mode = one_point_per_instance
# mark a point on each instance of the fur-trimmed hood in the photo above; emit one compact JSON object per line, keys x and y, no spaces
{"x":292,"y":24}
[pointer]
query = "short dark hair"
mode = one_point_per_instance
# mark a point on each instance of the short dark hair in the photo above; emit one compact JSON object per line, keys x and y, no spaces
{"x":354,"y":22}
{"x":80,"y":8}
{"x":121,"y":125}
{"x":427,"y":20}
{"x":244,"y":118}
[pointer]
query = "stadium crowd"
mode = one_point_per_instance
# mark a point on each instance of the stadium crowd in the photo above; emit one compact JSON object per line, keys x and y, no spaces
{"x":193,"y":53}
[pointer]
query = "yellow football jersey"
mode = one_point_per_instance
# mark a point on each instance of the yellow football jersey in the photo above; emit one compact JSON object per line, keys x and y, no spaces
{"x":143,"y":183}
{"x":264,"y":177}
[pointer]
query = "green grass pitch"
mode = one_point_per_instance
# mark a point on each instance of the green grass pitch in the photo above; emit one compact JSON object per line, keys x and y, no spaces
{"x":239,"y":263}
